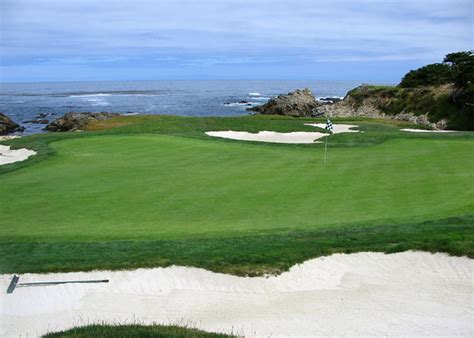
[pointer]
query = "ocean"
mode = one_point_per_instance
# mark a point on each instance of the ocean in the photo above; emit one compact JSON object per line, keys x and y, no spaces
{"x":25,"y":101}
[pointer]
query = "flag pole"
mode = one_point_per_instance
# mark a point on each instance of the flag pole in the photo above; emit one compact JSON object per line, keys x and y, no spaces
{"x":325,"y":149}
{"x":329,"y":129}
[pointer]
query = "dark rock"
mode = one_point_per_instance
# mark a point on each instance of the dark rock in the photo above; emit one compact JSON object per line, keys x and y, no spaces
{"x":317,"y":114}
{"x":77,"y":121}
{"x":38,"y":121}
{"x":7,"y":125}
{"x":41,"y":115}
{"x":301,"y":102}
{"x":243,"y":102}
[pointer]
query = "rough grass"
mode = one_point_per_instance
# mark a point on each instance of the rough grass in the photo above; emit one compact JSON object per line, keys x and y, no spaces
{"x":250,"y":255}
{"x":158,"y":191}
{"x":152,"y":331}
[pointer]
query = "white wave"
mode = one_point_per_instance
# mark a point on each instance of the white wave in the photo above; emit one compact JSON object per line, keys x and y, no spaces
{"x":328,"y":98}
{"x":261,"y":98}
{"x":101,"y":103}
{"x":90,"y":95}
{"x":254,"y":94}
{"x":105,"y":94}
{"x":96,"y":101}
{"x":237,"y":104}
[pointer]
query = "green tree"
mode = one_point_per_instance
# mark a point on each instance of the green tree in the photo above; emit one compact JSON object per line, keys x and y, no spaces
{"x":431,"y":75}
{"x":462,"y":68}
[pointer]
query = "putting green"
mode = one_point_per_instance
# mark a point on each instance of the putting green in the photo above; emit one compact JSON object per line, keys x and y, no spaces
{"x":169,"y":187}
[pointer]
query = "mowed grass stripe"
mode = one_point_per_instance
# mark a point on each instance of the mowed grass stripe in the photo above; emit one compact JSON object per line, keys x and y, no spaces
{"x":243,"y":255}
{"x":165,"y":187}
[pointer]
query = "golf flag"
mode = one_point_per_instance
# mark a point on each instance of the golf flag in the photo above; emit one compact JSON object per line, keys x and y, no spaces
{"x":329,"y":125}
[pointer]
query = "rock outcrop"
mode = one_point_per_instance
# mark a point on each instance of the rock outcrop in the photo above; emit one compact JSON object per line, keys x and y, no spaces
{"x":77,"y":121}
{"x":37,"y":121}
{"x":429,"y":106}
{"x":7,"y":125}
{"x":425,"y":106}
{"x":299,"y":103}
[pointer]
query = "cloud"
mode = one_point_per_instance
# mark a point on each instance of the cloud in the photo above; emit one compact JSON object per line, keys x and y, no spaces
{"x":210,"y":32}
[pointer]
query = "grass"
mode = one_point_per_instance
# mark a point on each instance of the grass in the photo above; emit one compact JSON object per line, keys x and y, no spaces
{"x":250,"y":255}
{"x":152,"y":331}
{"x":155,"y":191}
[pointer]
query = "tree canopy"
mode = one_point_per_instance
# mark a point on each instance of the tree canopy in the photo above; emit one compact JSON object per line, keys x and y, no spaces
{"x":430,"y":75}
{"x":457,"y":68}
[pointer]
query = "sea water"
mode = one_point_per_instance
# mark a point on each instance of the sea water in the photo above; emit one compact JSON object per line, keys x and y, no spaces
{"x":25,"y":101}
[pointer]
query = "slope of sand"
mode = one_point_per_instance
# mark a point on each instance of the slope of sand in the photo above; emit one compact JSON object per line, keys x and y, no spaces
{"x":8,"y":155}
{"x":8,"y":137}
{"x":410,"y":293}
{"x":277,"y":137}
{"x":427,"y":131}
{"x":269,"y":136}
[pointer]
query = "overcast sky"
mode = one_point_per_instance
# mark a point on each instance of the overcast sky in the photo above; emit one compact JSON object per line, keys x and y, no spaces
{"x":377,"y":40}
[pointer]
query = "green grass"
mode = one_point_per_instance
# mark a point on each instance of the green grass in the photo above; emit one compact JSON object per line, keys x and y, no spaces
{"x":152,"y":331}
{"x":157,"y":191}
{"x":251,"y":255}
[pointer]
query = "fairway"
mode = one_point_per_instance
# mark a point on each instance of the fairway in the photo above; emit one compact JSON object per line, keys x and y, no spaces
{"x":152,"y":186}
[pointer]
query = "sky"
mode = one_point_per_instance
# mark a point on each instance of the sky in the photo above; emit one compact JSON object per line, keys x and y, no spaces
{"x":375,"y":41}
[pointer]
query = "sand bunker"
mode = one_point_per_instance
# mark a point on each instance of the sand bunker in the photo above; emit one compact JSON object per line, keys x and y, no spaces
{"x":8,"y":137}
{"x":269,"y":136}
{"x":427,"y":131}
{"x":8,"y":155}
{"x":276,"y":137}
{"x":410,"y":293}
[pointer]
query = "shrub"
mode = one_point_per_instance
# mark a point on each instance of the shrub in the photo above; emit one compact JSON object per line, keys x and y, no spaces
{"x":430,"y":75}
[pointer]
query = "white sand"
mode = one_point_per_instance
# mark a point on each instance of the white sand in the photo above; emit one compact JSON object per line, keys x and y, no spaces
{"x":8,"y":155}
{"x":427,"y":131}
{"x":269,"y":136}
{"x":411,"y":293}
{"x":276,"y":137}
{"x":8,"y":137}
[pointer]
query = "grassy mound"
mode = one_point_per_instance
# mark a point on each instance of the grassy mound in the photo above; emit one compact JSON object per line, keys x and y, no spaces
{"x":153,"y":331}
{"x":157,"y":191}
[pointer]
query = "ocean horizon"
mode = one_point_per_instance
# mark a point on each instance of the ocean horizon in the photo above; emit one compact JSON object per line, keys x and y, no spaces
{"x":25,"y":102}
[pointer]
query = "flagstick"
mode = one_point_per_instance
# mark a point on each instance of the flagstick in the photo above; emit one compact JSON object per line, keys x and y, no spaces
{"x":325,"y":149}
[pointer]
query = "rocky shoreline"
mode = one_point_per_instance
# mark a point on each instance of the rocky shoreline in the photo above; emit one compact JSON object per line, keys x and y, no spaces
{"x":299,"y":103}
{"x":302,"y":103}
{"x":8,"y":126}
{"x":71,"y":121}
{"x":77,"y":120}
{"x":363,"y":101}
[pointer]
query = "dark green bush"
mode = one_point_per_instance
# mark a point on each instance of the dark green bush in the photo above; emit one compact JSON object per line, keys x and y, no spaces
{"x":430,"y":75}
